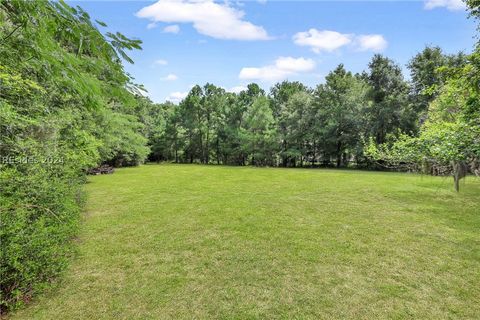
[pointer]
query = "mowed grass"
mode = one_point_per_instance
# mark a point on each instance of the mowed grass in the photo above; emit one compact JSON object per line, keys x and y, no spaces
{"x":213,"y":242}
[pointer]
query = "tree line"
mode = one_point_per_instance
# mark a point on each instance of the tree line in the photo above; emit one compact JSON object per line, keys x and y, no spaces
{"x":294,"y":125}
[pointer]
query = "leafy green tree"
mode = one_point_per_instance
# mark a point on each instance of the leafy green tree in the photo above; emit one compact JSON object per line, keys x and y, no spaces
{"x":301,"y":127}
{"x":213,"y":102}
{"x":427,"y":76}
{"x":259,"y":132}
{"x":449,"y":141}
{"x":341,"y":101}
{"x":191,"y":117}
{"x":230,"y":136}
{"x":283,"y":112}
{"x":389,"y":111}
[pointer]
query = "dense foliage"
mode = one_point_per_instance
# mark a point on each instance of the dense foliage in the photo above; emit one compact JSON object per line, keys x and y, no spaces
{"x":448,"y":89}
{"x":66,"y":105}
{"x":294,"y":125}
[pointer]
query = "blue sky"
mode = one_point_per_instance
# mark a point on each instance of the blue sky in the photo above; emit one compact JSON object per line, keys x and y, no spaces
{"x":234,"y":43}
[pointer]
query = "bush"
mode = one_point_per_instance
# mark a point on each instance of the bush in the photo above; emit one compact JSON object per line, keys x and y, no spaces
{"x":66,"y":105}
{"x":38,"y":218}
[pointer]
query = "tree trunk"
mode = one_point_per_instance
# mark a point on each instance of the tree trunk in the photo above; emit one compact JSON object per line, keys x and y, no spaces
{"x":218,"y":151}
{"x":339,"y":154}
{"x":313,"y":155}
{"x":284,"y":158}
{"x":202,"y":149}
{"x":344,"y":159}
{"x":176,"y":150}
{"x":207,"y":146}
{"x":190,"y":146}
{"x":460,"y":170}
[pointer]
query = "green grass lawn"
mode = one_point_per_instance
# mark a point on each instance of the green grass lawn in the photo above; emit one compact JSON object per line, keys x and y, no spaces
{"x":190,"y":241}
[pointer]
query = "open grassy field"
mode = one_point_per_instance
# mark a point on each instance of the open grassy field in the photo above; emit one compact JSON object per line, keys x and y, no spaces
{"x":190,"y":241}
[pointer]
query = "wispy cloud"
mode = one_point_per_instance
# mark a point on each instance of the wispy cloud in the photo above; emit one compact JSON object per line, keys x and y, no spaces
{"x":174,"y":28}
{"x":170,"y":77}
{"x":151,"y":25}
{"x":452,"y":5}
{"x":160,"y":62}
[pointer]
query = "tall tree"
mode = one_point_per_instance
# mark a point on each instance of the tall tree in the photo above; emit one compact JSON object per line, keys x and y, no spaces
{"x":297,"y":117}
{"x":259,"y":132}
{"x":389,"y":111}
{"x":191,"y":116}
{"x":341,"y":103}
{"x":283,"y":113}
{"x":449,"y":141}
{"x":213,"y":102}
{"x":427,"y":76}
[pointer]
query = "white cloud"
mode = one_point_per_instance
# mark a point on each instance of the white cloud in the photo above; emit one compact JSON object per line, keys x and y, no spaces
{"x":322,"y":40}
{"x":161,"y":62}
{"x":268,"y":73}
{"x":176,"y":97}
{"x":281,"y":69}
{"x":237,"y":89}
{"x":372,"y":42}
{"x":327,"y":40}
{"x":452,"y":5}
{"x":216,"y":20}
{"x":294,"y":64}
{"x":170,"y":77}
{"x":174,"y":28}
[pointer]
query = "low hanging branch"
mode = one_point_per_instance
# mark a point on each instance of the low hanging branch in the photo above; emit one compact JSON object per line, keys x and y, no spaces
{"x":410,"y":154}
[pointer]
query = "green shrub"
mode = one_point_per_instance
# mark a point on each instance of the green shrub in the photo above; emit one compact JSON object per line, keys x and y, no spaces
{"x":38,"y":217}
{"x":66,"y":104}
